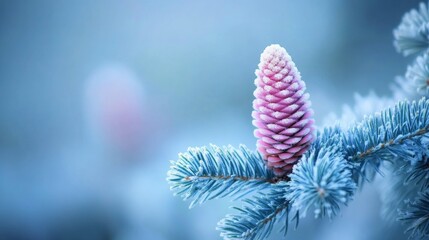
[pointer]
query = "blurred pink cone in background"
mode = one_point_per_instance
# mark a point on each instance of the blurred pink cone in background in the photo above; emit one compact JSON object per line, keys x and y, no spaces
{"x":114,"y":103}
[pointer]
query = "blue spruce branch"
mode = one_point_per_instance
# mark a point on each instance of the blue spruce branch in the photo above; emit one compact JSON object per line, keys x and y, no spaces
{"x":417,"y":215}
{"x":337,"y":162}
{"x":412,"y":35}
{"x":212,"y":172}
{"x":418,"y":174}
{"x":321,"y":180}
{"x":396,"y":132}
{"x":404,"y":183}
{"x":256,"y":219}
{"x":418,"y":74}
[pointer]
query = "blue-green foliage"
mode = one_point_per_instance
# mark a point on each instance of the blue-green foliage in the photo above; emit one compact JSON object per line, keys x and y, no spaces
{"x":388,"y":129}
{"x":403,"y":184}
{"x":395,"y":191}
{"x":412,"y":35}
{"x":322,"y":180}
{"x":205,"y":173}
{"x":418,"y":73}
{"x":396,"y":132}
{"x":418,"y":173}
{"x":257,"y":217}
{"x":417,"y":216}
{"x":409,"y":181}
{"x":337,"y":162}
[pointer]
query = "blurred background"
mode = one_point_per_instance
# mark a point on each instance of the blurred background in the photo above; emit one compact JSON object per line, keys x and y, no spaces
{"x":96,"y":97}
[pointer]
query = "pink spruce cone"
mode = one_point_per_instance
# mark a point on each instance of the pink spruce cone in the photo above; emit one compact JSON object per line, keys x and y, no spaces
{"x":282,"y":112}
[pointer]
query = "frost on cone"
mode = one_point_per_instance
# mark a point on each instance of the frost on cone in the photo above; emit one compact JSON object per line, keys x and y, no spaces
{"x":282,"y":112}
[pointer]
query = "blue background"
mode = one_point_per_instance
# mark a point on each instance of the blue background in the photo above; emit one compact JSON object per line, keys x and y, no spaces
{"x":186,"y":71}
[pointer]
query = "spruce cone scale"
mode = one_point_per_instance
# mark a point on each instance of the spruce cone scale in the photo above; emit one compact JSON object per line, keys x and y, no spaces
{"x":282,"y":113}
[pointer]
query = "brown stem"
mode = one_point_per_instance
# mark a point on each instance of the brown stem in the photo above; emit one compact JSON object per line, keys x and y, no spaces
{"x":270,"y":217}
{"x":390,"y":142}
{"x":240,"y":178}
